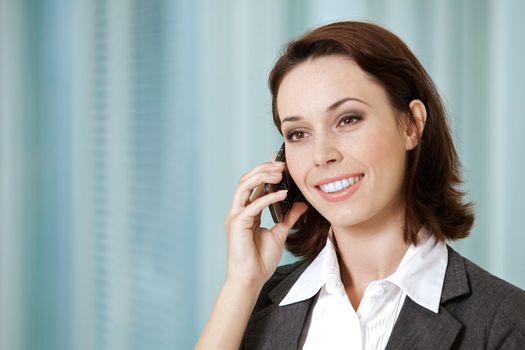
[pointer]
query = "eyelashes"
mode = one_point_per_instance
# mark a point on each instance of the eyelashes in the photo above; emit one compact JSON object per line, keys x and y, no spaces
{"x":353,"y":118}
{"x":293,"y":136}
{"x":346,"y":120}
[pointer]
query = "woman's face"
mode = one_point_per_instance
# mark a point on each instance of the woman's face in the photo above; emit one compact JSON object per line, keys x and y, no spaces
{"x":345,"y":148}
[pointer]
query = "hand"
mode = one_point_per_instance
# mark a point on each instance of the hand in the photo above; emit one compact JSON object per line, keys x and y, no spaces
{"x":255,"y":251}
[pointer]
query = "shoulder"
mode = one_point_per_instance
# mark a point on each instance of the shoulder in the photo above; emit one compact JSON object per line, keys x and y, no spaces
{"x":480,"y":281}
{"x":271,"y":326}
{"x":506,"y":299}
{"x":492,"y":306}
{"x":487,"y":286}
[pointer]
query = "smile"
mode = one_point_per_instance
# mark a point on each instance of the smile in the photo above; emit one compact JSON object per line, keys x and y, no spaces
{"x":339,"y":188}
{"x":340,"y":185}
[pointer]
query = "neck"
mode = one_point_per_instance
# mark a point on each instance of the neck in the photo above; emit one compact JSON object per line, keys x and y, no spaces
{"x":369,"y":252}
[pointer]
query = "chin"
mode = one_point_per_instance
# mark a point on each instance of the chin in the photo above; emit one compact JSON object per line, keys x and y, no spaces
{"x":347,"y":218}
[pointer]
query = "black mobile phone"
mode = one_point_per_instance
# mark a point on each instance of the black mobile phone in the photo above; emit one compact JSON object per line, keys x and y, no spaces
{"x":280,"y":209}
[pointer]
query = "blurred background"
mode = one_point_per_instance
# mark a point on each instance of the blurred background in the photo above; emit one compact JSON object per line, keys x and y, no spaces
{"x":126,"y":124}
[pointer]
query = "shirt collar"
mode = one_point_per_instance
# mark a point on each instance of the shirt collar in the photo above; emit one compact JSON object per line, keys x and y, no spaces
{"x":420,"y":273}
{"x":324,"y":268}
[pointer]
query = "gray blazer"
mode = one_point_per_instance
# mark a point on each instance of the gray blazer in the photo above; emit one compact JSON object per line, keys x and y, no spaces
{"x":478,"y":311}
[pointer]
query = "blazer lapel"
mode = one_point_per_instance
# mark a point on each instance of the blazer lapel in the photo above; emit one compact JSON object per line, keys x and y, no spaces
{"x":279,"y":327}
{"x":419,"y":328}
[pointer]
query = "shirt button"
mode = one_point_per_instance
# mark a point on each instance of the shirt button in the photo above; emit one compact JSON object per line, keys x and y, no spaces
{"x":379,"y":291}
{"x":333,"y":287}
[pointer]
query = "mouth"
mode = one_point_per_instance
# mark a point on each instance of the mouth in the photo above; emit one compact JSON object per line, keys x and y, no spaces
{"x":339,"y":188}
{"x":340,"y":185}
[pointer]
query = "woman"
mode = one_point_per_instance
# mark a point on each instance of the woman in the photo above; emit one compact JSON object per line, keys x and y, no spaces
{"x":368,"y":145}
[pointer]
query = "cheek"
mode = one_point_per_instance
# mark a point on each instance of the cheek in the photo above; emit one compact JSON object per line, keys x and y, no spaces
{"x":389,"y":164}
{"x":293,"y":164}
{"x":297,"y":167}
{"x":382,"y":152}
{"x":368,"y":148}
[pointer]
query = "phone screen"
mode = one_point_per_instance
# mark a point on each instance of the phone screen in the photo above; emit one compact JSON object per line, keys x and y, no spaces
{"x":280,"y":209}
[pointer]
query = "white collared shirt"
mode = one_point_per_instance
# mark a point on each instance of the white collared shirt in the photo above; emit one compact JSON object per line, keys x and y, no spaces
{"x":334,"y":322}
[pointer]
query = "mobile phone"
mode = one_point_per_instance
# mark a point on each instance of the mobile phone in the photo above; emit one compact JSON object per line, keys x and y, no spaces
{"x":280,"y":209}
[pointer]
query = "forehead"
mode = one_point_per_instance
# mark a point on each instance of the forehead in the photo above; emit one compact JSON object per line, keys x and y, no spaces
{"x":317,"y":83}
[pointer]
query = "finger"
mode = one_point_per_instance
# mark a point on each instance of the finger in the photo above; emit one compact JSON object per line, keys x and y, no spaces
{"x":253,"y":188}
{"x":257,"y":193}
{"x":253,"y":209}
{"x":266,"y":166}
{"x":257,"y":221}
{"x":250,"y":217}
{"x":282,"y":229}
{"x":246,"y":187}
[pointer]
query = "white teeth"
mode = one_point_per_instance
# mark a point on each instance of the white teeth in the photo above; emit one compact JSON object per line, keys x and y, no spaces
{"x":340,"y":185}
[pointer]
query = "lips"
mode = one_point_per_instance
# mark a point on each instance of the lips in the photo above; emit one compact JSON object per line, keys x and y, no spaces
{"x":340,"y":187}
{"x":340,"y":184}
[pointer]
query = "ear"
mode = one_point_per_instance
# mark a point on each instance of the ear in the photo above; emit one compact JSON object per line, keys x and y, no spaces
{"x":415,"y":124}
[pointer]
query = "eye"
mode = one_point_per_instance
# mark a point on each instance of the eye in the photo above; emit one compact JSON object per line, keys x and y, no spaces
{"x":350,"y":119}
{"x":295,"y":135}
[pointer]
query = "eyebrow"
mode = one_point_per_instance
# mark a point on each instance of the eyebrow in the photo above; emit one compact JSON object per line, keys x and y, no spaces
{"x":329,"y":109}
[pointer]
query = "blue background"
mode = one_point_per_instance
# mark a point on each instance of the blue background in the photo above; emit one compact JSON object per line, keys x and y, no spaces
{"x":125,"y":126}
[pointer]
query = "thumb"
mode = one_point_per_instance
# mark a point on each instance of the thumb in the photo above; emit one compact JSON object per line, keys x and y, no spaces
{"x":282,"y":229}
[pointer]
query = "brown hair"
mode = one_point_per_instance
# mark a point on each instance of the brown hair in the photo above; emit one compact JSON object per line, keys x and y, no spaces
{"x":433,"y":168}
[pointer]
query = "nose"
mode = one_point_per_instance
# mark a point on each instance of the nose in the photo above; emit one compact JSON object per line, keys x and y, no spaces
{"x":326,"y":151}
